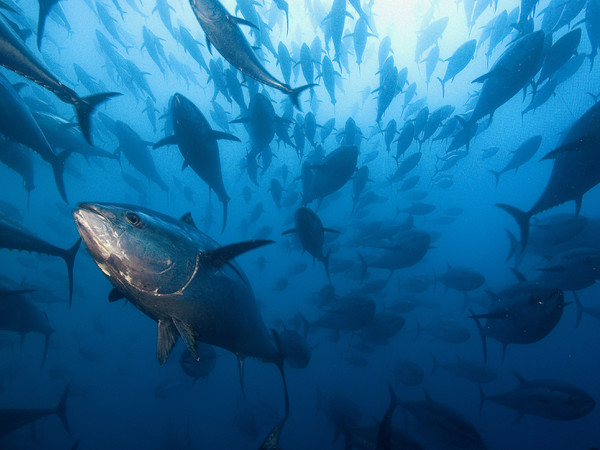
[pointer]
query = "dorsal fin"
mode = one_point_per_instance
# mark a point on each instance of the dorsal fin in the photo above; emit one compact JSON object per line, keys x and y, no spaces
{"x":187,"y":218}
{"x":223,"y":255}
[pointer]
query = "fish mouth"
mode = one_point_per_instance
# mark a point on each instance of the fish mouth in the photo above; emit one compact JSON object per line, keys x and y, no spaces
{"x":96,"y":229}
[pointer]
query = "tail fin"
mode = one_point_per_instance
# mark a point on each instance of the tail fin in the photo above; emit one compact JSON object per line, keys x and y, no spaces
{"x":522,"y":219}
{"x":61,"y":409}
{"x":513,"y":244}
{"x":58,"y":167}
{"x":225,"y":203}
{"x":480,"y":328}
{"x":84,"y":106}
{"x":44,"y":10}
{"x":69,"y":257}
{"x":272,"y":439}
{"x":442,"y":83}
{"x":496,"y":175}
{"x":295,"y":93}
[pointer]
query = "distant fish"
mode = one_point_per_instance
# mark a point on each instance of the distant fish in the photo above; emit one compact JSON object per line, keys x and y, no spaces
{"x":311,"y":233}
{"x":20,"y":314}
{"x":576,"y":170}
{"x":512,"y":71}
{"x":197,"y":142}
{"x":16,"y":57}
{"x":550,"y":399}
{"x":13,"y":419}
{"x":521,"y":155}
{"x":223,"y":31}
{"x":522,"y":313}
{"x":444,"y":426}
{"x":16,"y":238}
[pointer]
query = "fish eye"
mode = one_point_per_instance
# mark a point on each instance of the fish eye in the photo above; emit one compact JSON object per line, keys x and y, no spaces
{"x":133,"y":218}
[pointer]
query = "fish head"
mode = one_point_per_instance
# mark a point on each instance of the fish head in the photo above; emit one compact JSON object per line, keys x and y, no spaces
{"x":141,"y":252}
{"x":547,"y":298}
{"x":186,"y":115}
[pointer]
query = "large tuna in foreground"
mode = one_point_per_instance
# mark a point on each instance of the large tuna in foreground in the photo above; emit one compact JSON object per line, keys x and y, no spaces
{"x":179,"y":277}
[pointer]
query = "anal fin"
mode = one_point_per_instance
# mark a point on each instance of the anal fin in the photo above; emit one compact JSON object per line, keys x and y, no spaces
{"x":167,"y":337}
{"x":187,"y":334}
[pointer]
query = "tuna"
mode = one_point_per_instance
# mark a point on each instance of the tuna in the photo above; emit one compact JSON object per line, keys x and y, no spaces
{"x":180,"y":278}
{"x":223,"y":32}
{"x":550,"y":399}
{"x":197,"y":142}
{"x":576,"y":170}
{"x":14,"y":237}
{"x":311,"y":233}
{"x":16,"y":57}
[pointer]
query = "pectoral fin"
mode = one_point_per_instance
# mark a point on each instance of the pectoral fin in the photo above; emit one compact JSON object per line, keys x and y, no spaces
{"x":225,"y":136}
{"x":115,"y":295}
{"x":241,"y":21}
{"x":169,"y":140}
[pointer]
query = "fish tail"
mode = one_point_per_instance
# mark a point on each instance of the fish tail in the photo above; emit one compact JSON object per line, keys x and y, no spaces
{"x":225,"y":203}
{"x":468,"y":126}
{"x":69,"y":258}
{"x":44,"y":10}
{"x":480,"y":328}
{"x":61,"y":409}
{"x":58,"y":167}
{"x":442,"y":83}
{"x":496,"y":175}
{"x":514,"y":244}
{"x":84,"y":106}
{"x":295,"y":93}
{"x":522,"y":219}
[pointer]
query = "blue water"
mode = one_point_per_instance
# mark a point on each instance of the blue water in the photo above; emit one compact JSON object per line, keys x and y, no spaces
{"x":108,"y":351}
